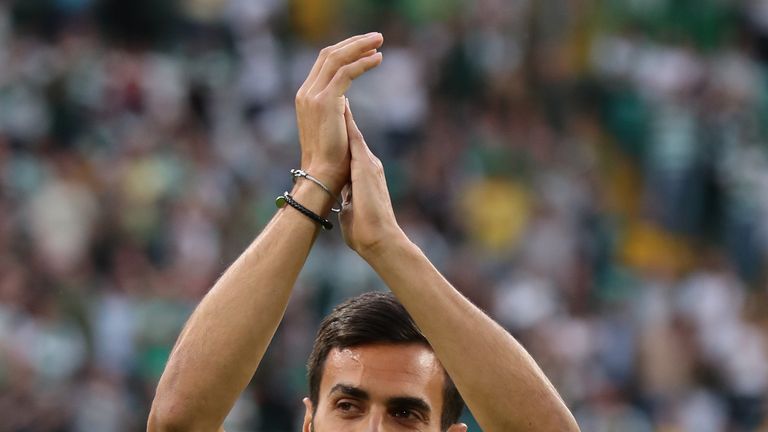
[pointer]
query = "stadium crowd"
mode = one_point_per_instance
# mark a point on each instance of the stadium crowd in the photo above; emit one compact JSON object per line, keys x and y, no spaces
{"x":592,"y":173}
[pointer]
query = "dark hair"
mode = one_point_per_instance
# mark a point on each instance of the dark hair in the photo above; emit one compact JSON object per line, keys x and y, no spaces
{"x":370,"y":318}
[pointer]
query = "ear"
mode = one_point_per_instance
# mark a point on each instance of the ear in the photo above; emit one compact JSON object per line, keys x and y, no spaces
{"x":457,"y":427}
{"x":307,"y":427}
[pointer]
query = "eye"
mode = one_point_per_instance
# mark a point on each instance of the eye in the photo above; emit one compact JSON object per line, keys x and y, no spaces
{"x":405,"y":414}
{"x":347,"y":407}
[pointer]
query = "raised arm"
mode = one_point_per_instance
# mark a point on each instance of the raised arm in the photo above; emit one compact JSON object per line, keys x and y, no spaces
{"x":500,"y":382}
{"x":224,"y":340}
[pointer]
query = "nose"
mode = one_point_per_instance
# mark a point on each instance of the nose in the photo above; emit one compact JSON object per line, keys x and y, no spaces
{"x":375,"y":422}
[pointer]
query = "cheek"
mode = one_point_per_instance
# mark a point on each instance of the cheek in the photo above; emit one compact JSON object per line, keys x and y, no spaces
{"x":323,"y":420}
{"x":324,"y":423}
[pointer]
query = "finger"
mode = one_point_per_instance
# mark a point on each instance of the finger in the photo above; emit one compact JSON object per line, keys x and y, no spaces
{"x":359,"y":150}
{"x":357,"y":147}
{"x":343,"y":56}
{"x":344,"y":76}
{"x":369,"y":53}
{"x":315,"y":71}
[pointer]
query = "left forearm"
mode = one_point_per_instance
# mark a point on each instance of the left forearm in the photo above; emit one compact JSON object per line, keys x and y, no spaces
{"x":498,"y":379}
{"x":500,"y":382}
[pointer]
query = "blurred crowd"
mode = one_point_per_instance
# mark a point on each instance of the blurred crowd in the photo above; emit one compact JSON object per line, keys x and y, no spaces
{"x":594,"y":174}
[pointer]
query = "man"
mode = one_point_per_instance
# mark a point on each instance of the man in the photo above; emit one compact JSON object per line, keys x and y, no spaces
{"x":378,"y":381}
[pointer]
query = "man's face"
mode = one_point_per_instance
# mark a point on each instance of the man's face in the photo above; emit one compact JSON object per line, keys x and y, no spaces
{"x":379,"y":387}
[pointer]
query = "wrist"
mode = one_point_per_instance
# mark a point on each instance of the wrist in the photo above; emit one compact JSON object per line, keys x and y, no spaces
{"x":313,"y":198}
{"x":392,"y":244}
{"x":331,"y":176}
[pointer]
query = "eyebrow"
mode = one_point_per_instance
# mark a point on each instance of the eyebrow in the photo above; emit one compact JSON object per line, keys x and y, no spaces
{"x":349,"y":390}
{"x":404,"y":402}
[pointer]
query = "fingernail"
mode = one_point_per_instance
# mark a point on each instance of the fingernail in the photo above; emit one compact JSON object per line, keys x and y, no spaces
{"x":372,"y":34}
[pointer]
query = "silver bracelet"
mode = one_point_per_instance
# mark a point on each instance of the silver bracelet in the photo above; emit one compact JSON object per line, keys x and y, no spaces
{"x":296,"y":173}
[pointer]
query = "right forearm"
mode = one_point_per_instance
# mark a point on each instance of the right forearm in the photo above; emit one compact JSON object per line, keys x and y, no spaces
{"x":224,"y":340}
{"x":220,"y":347}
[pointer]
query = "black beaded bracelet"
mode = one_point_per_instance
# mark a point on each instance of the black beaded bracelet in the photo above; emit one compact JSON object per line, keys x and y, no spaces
{"x":286,"y":198}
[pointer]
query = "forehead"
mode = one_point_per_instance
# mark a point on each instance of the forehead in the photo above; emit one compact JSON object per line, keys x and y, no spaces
{"x":386,"y":370}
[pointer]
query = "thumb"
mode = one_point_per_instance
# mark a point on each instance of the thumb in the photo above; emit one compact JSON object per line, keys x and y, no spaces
{"x":357,"y":146}
{"x":346,"y":195}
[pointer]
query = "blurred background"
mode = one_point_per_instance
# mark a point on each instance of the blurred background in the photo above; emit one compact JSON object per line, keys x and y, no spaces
{"x":594,"y":174}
